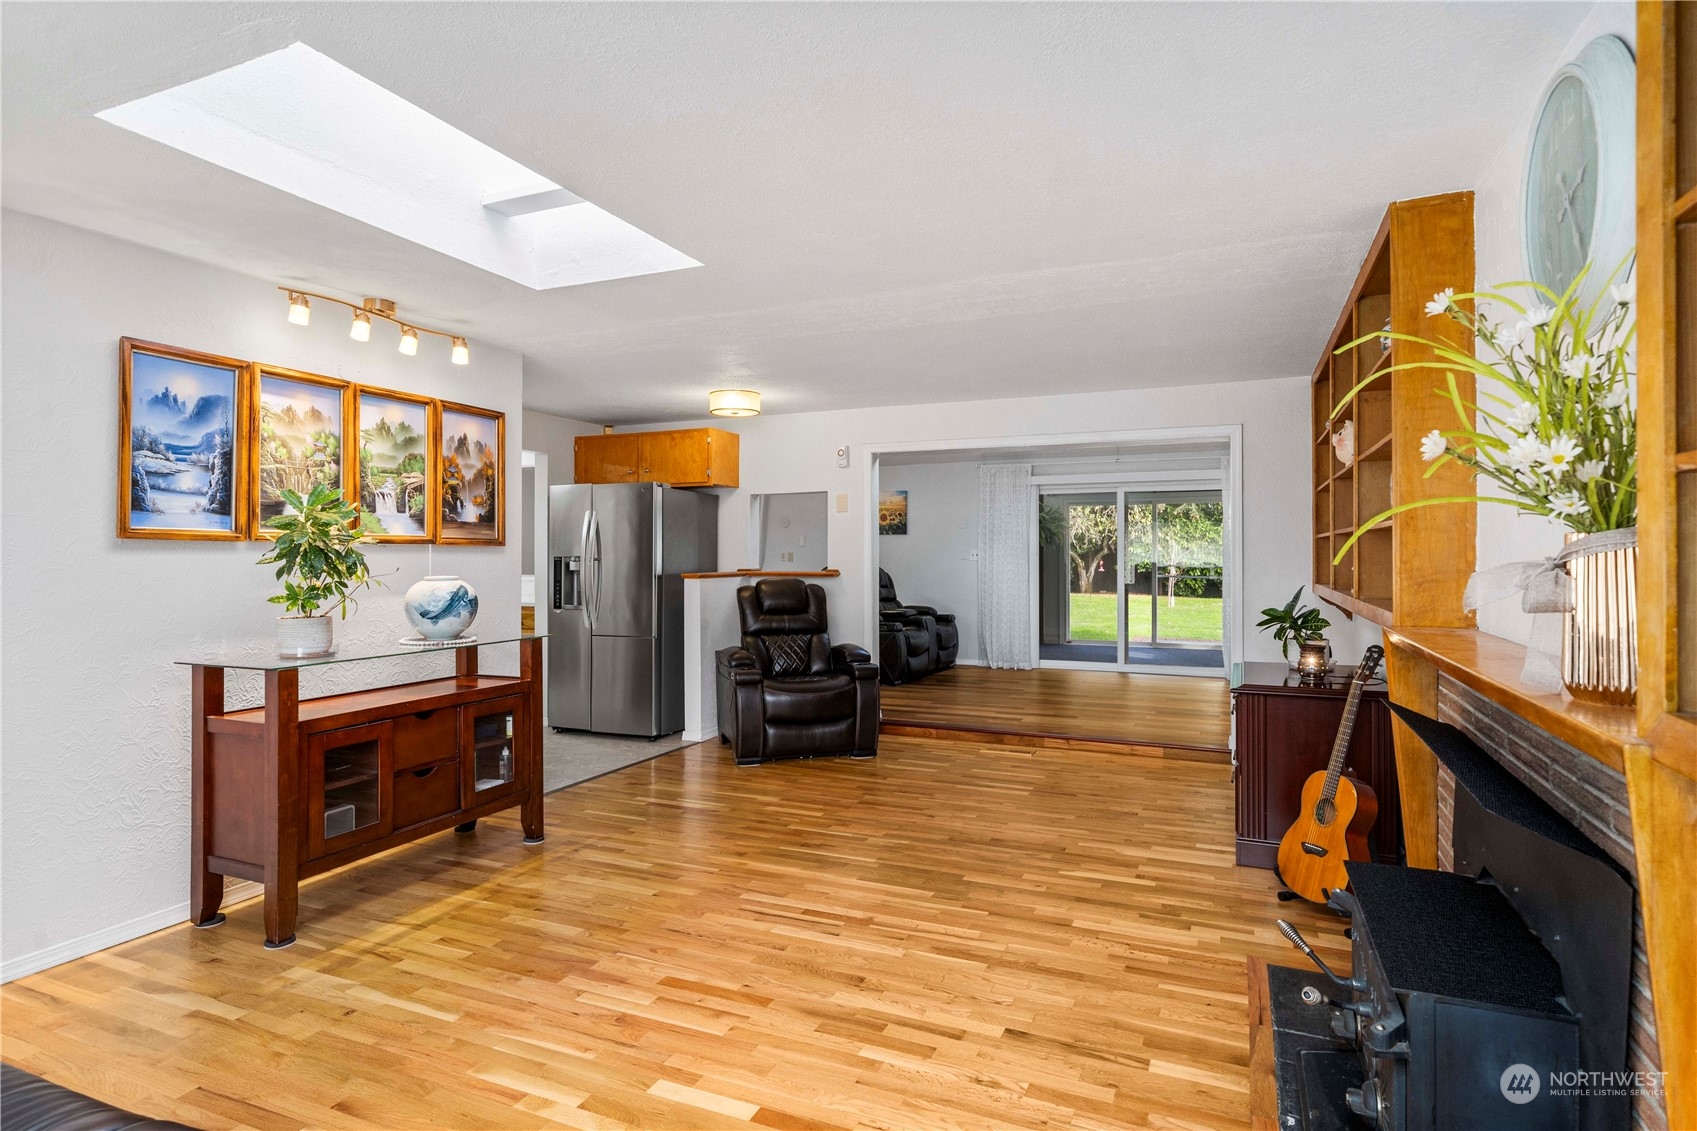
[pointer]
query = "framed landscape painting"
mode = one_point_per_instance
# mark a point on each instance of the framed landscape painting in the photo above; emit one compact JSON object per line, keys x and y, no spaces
{"x":298,"y":430}
{"x":393,"y":476}
{"x":182,"y":443}
{"x":472,"y":467}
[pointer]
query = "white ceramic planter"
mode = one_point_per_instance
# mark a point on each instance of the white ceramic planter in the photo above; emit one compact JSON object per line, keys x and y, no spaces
{"x":299,"y":637}
{"x":440,"y":607}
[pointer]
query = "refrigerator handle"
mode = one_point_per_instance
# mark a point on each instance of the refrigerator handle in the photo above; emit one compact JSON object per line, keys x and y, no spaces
{"x":584,"y":580}
{"x":595,"y":537}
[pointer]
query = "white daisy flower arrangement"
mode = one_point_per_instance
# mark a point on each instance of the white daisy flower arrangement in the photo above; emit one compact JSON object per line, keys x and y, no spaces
{"x":1554,"y":426}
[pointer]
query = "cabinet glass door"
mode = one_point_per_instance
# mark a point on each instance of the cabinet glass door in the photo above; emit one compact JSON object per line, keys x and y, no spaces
{"x":348,"y":783}
{"x":491,"y":748}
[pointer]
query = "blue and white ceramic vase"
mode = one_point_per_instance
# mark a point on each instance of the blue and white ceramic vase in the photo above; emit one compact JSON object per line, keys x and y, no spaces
{"x":441,"y":607}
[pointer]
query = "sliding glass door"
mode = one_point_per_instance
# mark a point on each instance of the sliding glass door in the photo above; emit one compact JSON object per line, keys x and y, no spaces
{"x":1132,"y":579}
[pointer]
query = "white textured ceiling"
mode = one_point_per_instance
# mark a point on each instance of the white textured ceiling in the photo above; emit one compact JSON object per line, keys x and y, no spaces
{"x":894,"y":204}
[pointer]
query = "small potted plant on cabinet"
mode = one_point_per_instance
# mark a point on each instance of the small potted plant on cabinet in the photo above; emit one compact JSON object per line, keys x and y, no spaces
{"x":320,"y":565}
{"x":1305,"y":627}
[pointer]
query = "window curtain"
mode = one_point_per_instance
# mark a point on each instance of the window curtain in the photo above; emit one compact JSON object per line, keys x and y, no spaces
{"x":757,"y":531}
{"x":1227,"y":596}
{"x":1007,"y":534}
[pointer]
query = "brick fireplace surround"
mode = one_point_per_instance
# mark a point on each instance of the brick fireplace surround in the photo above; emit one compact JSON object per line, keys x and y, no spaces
{"x":1590,"y":795}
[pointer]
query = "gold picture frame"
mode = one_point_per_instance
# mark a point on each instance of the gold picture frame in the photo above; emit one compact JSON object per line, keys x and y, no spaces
{"x":397,"y":498}
{"x":286,"y":450}
{"x":471,"y":475}
{"x":182,"y":452}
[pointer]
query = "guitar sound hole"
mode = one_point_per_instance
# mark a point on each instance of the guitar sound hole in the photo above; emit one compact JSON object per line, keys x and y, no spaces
{"x":1325,"y":811}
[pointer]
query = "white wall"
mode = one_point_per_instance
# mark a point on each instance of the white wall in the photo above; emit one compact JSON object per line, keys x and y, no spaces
{"x":796,"y":524}
{"x":932,"y":563}
{"x":95,"y":738}
{"x":796,"y":452}
{"x":1506,"y":535}
{"x":553,"y":436}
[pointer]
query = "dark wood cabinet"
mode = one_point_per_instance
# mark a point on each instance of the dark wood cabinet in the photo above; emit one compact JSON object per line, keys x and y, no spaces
{"x":299,"y":787}
{"x":1283,"y":731}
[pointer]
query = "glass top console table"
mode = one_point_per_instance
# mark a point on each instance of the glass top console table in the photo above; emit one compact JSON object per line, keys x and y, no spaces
{"x":297,"y":787}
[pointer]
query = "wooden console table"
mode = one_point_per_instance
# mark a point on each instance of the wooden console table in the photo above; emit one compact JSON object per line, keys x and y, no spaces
{"x":1285,"y":730}
{"x":299,"y":787}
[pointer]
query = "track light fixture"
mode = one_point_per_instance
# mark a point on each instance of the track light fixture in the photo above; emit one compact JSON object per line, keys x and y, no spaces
{"x":300,"y":312}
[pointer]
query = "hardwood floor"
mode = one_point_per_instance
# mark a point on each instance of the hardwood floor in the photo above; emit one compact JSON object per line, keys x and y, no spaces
{"x":948,"y":937}
{"x":1161,"y":715}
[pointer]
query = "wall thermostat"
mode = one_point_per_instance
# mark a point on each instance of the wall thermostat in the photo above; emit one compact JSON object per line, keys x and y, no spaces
{"x":842,"y":456}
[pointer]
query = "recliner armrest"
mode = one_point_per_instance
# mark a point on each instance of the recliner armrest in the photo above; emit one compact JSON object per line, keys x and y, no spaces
{"x":854,"y":660}
{"x":928,"y":611}
{"x":738,"y":665}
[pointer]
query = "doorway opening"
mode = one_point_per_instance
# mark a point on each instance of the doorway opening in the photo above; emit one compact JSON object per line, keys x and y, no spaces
{"x":1132,"y":579}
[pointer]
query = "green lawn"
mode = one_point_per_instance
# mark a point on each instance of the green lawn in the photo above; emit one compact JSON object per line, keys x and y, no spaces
{"x":1192,"y":618}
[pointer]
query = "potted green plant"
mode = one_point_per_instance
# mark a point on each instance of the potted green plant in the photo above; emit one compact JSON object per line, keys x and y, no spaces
{"x":320,"y":565}
{"x":1305,"y":627}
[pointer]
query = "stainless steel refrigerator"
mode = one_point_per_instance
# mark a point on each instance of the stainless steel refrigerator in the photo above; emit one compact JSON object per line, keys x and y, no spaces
{"x":616,"y":605}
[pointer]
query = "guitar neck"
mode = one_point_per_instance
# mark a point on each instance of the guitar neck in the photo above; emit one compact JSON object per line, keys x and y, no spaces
{"x":1346,"y":730}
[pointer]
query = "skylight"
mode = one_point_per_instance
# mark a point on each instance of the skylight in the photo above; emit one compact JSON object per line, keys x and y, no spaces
{"x":301,"y":122}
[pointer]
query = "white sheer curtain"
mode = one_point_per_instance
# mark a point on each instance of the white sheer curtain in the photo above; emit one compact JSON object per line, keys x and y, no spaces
{"x":1227,"y":597}
{"x":757,"y":531}
{"x":1007,"y":531}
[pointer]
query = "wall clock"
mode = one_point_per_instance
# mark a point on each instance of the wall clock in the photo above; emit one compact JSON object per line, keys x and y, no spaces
{"x":1579,"y":189}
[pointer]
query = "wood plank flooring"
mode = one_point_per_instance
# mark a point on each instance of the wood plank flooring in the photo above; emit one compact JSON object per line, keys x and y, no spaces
{"x":1127,"y":712}
{"x":945,"y":937}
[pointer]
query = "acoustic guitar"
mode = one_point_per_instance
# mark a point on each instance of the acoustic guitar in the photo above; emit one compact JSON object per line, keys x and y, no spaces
{"x":1336,"y":813}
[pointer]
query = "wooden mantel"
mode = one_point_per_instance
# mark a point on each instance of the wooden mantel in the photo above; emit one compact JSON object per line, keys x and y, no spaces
{"x":1491,"y":666}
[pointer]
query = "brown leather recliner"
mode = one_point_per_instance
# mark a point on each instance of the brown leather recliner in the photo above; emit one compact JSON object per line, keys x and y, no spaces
{"x":787,"y":693}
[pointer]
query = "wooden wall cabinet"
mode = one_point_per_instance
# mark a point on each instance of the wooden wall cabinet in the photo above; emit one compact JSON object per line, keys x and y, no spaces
{"x":1411,"y":568}
{"x":690,"y":457}
{"x":1283,"y":731}
{"x":299,"y":787}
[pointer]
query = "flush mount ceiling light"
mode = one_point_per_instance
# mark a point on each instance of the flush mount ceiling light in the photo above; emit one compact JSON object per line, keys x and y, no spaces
{"x":303,"y":123}
{"x":382,"y":308}
{"x":733,"y":402}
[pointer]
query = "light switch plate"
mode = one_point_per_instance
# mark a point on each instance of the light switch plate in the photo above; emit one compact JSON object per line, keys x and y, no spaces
{"x":842,"y":504}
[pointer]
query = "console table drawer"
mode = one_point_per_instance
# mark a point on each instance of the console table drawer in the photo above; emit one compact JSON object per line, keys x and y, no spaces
{"x":427,"y":793}
{"x":426,"y":737}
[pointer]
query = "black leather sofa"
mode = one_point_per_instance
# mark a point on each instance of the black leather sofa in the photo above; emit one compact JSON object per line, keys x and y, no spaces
{"x":899,"y":625}
{"x":787,"y":693}
{"x":29,"y":1103}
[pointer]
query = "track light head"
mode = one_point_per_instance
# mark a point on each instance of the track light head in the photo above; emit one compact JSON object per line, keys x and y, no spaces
{"x":300,"y":310}
{"x":360,"y":331}
{"x":462,"y":352}
{"x":409,"y":340}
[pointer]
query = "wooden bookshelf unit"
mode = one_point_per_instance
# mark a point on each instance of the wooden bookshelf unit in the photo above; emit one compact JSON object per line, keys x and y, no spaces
{"x":298,"y":787}
{"x":1415,"y":564}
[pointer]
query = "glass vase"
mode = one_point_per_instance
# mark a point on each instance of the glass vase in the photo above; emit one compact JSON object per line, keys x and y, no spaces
{"x":1599,"y":650}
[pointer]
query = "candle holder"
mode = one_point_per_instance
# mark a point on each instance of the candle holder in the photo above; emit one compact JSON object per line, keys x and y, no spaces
{"x":1314,"y":660}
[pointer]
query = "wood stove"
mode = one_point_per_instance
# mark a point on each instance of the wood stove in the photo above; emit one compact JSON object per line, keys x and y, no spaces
{"x":1476,"y":994}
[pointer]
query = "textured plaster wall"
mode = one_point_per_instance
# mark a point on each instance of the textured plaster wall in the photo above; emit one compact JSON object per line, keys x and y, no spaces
{"x":94,"y":739}
{"x":1505,"y":535}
